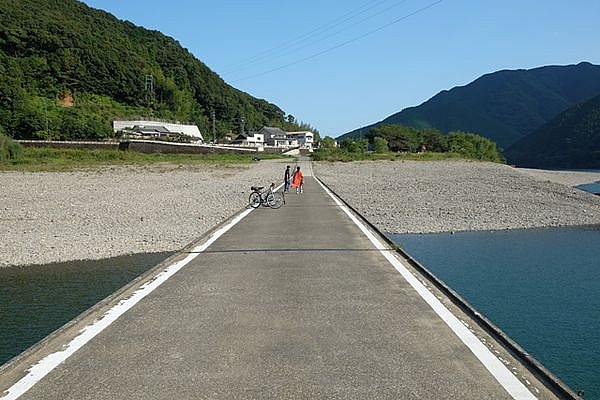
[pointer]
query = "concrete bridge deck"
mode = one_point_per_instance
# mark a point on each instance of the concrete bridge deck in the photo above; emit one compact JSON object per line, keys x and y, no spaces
{"x":295,"y":303}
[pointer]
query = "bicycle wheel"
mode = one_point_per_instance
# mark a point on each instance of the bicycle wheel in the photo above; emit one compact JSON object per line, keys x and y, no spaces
{"x":254,"y":199}
{"x":275,"y":200}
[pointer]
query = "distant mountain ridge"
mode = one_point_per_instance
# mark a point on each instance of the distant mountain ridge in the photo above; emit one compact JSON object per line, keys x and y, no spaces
{"x":571,"y":140}
{"x":503,"y":106}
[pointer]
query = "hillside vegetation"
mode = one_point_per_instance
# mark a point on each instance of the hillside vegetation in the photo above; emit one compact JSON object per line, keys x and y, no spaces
{"x":68,"y":70}
{"x":503,"y":106}
{"x":569,"y":141}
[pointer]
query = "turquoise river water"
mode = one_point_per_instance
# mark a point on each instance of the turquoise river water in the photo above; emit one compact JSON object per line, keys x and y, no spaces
{"x":540,"y":286}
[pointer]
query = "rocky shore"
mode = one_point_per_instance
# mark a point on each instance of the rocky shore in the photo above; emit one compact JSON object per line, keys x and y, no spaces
{"x":91,"y":214}
{"x":446,"y":196}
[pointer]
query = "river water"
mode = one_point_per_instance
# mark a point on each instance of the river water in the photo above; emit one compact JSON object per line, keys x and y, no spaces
{"x":540,"y":286}
{"x":36,"y":300}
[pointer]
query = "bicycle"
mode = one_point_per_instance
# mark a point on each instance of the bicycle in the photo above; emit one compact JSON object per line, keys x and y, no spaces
{"x":268,"y":198}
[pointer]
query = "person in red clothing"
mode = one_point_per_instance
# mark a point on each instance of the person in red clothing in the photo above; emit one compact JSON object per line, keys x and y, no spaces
{"x":298,"y":180}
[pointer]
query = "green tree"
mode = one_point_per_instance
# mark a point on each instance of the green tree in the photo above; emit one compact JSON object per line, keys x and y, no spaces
{"x":76,"y":125}
{"x":433,"y":140}
{"x":327,"y":143}
{"x":408,"y":139}
{"x":380,"y":145}
{"x":354,"y":146}
{"x":474,"y":146}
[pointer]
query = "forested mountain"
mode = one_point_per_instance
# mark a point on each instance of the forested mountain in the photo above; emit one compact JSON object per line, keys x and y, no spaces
{"x":503,"y":106}
{"x":67,"y":70}
{"x":569,"y":141}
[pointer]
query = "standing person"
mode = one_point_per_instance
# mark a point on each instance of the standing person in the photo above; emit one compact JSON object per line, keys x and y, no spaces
{"x":287,"y":179}
{"x":298,"y":180}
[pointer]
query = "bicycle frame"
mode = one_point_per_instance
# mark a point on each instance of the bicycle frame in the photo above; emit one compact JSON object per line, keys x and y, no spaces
{"x":268,"y":197}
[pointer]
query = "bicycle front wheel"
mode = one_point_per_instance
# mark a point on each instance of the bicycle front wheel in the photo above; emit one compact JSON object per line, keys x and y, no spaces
{"x":275,"y":200}
{"x":254,"y":199}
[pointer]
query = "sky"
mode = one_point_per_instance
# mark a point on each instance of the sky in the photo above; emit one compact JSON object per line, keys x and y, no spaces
{"x":339,"y":65}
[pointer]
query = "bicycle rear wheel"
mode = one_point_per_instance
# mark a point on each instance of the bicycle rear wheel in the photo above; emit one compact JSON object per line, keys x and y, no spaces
{"x":254,"y":199}
{"x":275,"y":200}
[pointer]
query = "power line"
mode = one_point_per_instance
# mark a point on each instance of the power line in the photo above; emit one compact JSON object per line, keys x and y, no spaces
{"x":328,"y":28}
{"x":324,"y":28}
{"x":342,"y":44}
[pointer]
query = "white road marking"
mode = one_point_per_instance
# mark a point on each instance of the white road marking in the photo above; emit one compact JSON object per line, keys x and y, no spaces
{"x":500,"y":372}
{"x":48,"y":363}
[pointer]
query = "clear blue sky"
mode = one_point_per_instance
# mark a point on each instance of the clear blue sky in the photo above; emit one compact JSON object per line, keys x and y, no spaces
{"x":342,"y":64}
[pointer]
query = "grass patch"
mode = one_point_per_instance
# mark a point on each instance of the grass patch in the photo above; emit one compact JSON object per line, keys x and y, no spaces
{"x":51,"y":159}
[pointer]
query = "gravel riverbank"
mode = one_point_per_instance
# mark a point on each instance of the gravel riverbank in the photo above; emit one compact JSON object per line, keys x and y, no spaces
{"x":446,"y":196}
{"x":60,"y":216}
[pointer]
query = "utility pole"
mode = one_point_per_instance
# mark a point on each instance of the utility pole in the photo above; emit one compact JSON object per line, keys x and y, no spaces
{"x":149,"y":87}
{"x":214,"y":131}
{"x":243,"y":121}
{"x":46,"y":115}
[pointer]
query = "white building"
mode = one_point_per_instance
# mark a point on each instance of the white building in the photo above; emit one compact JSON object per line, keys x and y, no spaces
{"x":276,"y":137}
{"x":159,"y":127}
{"x":305,"y":139}
{"x":255,"y":139}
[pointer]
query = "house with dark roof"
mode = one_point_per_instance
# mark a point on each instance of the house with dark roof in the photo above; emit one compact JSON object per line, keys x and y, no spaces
{"x":156,"y":129}
{"x":151,"y":130}
{"x":255,"y":139}
{"x":276,"y":137}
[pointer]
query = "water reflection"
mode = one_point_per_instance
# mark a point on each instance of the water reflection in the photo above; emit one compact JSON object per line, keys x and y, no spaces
{"x":36,"y":300}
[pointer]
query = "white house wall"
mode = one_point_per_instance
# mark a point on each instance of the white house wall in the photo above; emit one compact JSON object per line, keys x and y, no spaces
{"x":190,"y":130}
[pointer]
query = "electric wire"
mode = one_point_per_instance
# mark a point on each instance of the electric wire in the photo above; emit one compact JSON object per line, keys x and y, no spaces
{"x":304,"y":37}
{"x":342,"y":44}
{"x":295,"y":49}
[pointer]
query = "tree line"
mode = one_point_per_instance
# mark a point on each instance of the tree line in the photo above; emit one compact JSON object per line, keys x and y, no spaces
{"x":395,"y":138}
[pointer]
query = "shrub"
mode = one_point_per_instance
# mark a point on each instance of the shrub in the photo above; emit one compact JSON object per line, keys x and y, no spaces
{"x":9,"y":149}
